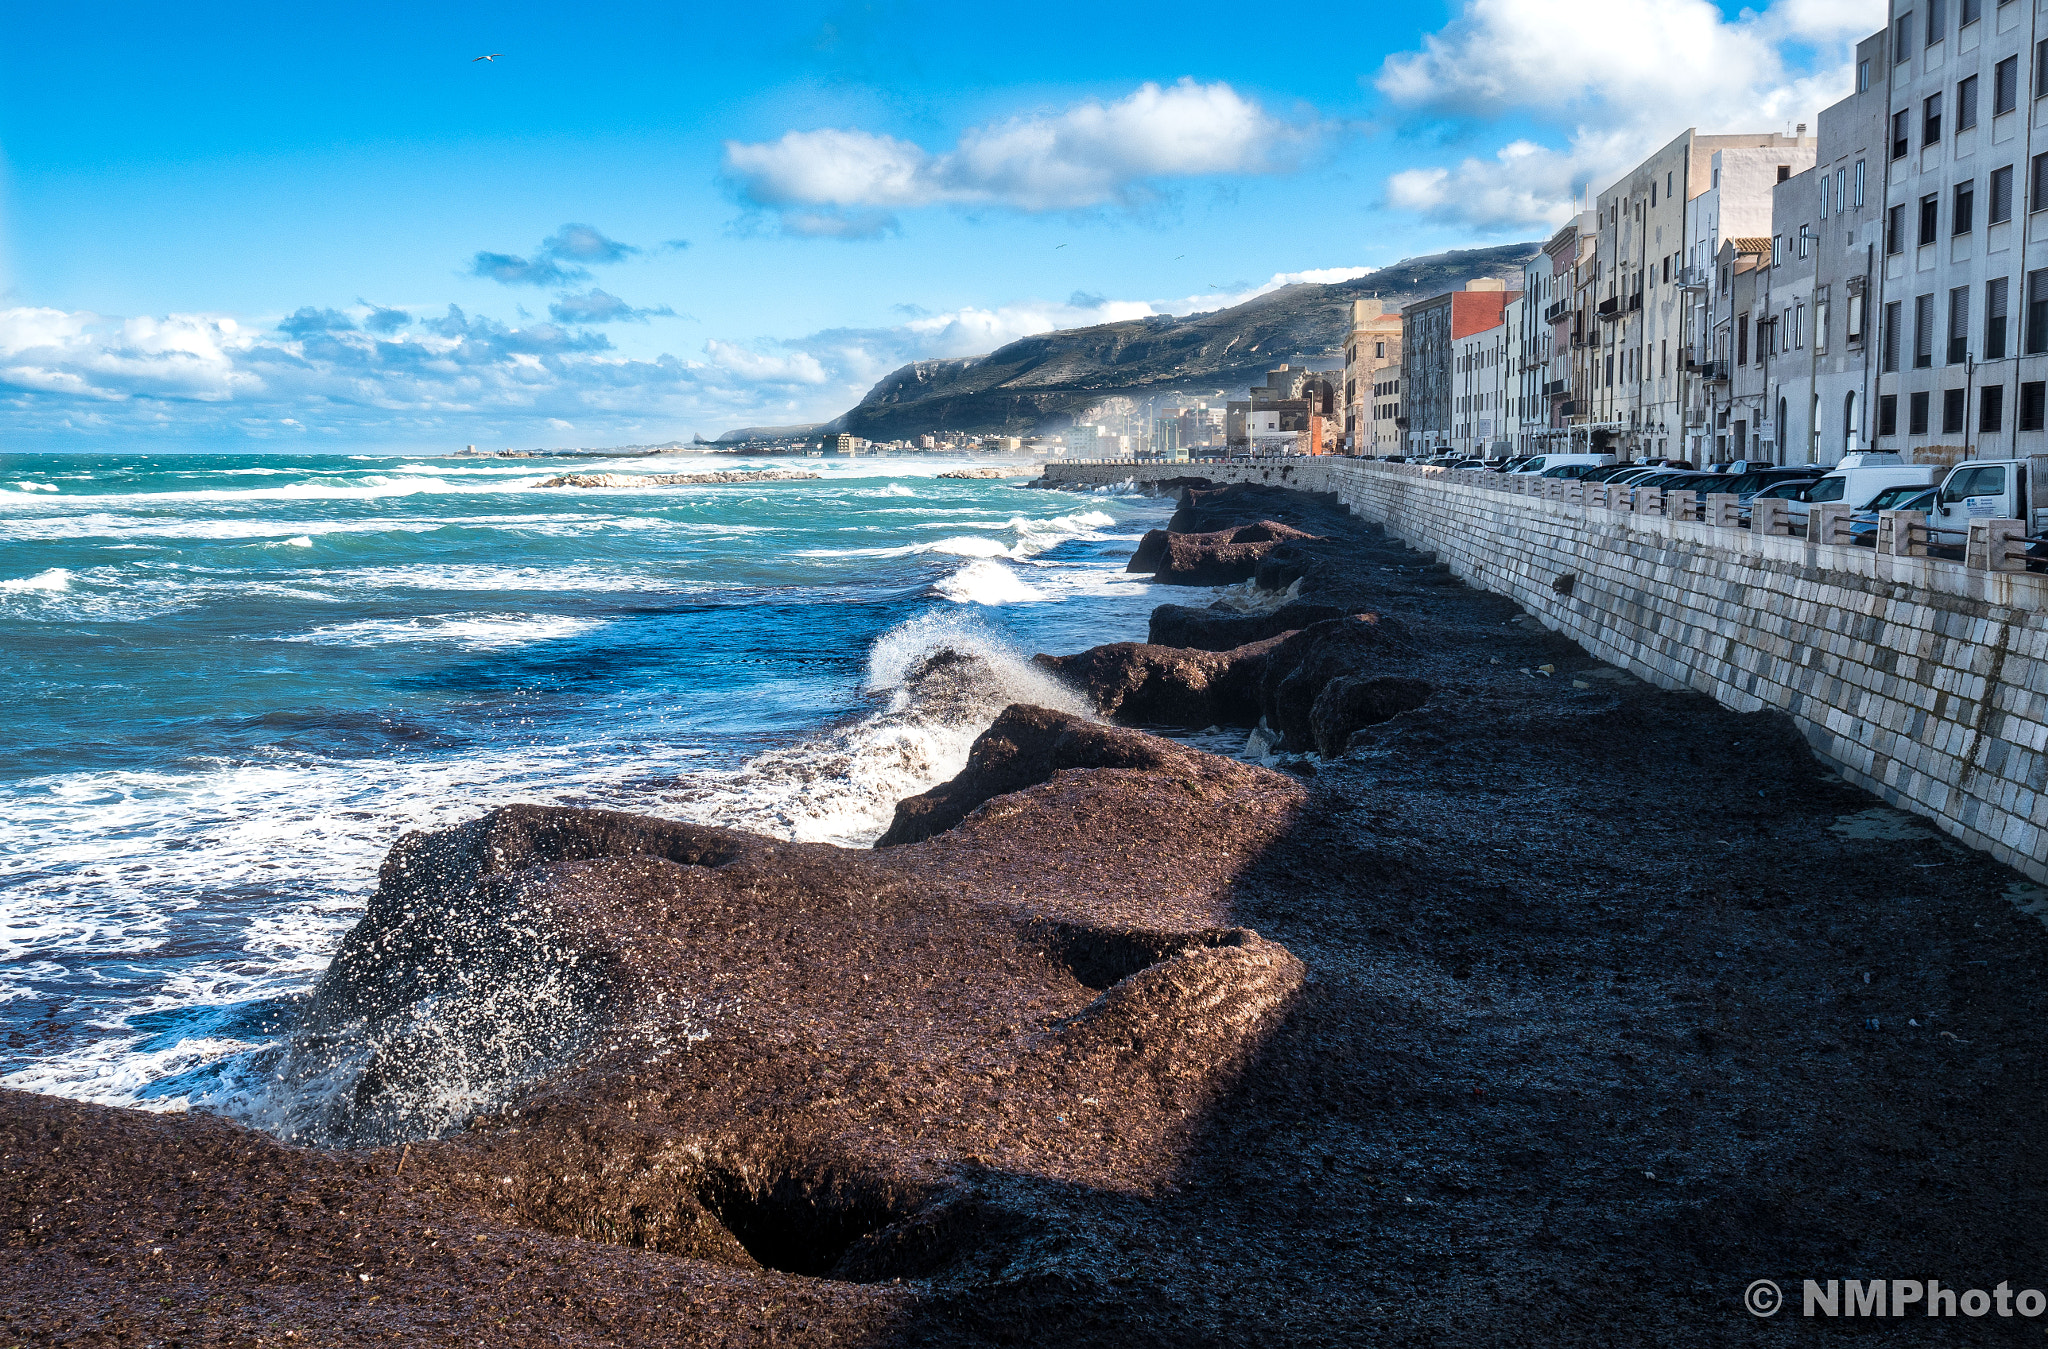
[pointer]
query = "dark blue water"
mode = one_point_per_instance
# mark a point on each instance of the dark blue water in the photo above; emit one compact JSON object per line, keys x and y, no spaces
{"x":235,"y":680}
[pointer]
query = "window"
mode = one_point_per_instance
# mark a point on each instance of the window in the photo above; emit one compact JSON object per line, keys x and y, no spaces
{"x":1852,"y":328}
{"x":1379,"y":350}
{"x":1916,"y":414}
{"x":1859,"y":182}
{"x":1862,"y":76}
{"x":1991,"y":408}
{"x":2040,"y":88}
{"x":1902,"y":39}
{"x":1824,"y":180}
{"x":1958,"y":325}
{"x":1937,"y":20}
{"x":2005,"y":86}
{"x":2037,"y":312}
{"x":1973,"y":10}
{"x":1966,"y":104}
{"x":1994,"y":318}
{"x":1891,"y":336}
{"x":1902,"y":133}
{"x":1820,"y":322}
{"x":2033,"y":403}
{"x":1962,"y":215}
{"x":2001,"y":196}
{"x":1799,"y":326}
{"x":2037,"y":193}
{"x":1923,"y":331}
{"x":1888,"y":414}
{"x":1930,"y":216}
{"x":1895,"y":229}
{"x":1742,"y":340}
{"x":1841,"y":191}
{"x":1930,"y":120}
{"x":1951,"y":411}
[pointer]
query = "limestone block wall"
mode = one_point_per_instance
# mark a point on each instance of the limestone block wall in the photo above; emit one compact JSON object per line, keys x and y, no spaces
{"x":1919,"y":679}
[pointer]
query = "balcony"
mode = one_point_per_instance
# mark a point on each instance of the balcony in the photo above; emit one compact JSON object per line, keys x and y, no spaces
{"x":1694,"y":278}
{"x":1577,"y":409}
{"x":1578,"y":339}
{"x":1608,"y":309}
{"x":1558,"y":388}
{"x":1556,"y":313}
{"x":1717,"y":372}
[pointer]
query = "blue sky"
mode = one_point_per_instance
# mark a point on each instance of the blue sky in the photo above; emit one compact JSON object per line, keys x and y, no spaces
{"x":238,"y":226}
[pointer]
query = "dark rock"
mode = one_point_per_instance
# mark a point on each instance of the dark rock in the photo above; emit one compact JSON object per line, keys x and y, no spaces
{"x":1220,"y":558}
{"x":1025,"y":747}
{"x":1219,"y":629}
{"x":1297,"y":668}
{"x":1151,"y":551}
{"x":1168,"y":686}
{"x":1207,"y":511}
{"x":1349,"y":703}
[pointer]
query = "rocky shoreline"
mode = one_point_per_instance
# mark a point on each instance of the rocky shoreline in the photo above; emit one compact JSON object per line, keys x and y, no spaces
{"x":1512,"y":1001}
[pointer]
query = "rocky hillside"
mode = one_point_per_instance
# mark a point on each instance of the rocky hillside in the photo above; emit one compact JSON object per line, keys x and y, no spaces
{"x":1052,"y":376}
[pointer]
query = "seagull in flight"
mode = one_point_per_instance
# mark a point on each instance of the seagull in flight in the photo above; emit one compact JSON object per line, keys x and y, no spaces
{"x":492,"y":57}
{"x":1057,"y":247}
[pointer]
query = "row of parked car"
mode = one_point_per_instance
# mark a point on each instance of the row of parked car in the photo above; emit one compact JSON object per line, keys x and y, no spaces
{"x":1870,"y":481}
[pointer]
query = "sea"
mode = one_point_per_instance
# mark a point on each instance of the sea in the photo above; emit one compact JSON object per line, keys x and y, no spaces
{"x":234,"y":681}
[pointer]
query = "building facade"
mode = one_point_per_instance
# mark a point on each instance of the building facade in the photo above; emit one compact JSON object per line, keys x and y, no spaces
{"x":1372,"y":347}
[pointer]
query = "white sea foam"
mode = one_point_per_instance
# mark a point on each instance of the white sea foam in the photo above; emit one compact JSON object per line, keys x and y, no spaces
{"x":472,"y":632}
{"x":986,"y":582}
{"x":54,"y":580}
{"x":944,"y":677}
{"x":26,"y":486}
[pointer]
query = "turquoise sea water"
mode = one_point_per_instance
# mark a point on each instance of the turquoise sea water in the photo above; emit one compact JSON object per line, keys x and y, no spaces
{"x":233,"y":681}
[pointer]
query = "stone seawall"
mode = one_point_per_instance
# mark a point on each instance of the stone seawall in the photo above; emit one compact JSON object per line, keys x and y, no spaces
{"x":1918,"y":679}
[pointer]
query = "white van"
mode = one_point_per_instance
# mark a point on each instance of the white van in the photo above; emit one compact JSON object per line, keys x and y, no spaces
{"x":1544,"y":463}
{"x":1856,"y":481}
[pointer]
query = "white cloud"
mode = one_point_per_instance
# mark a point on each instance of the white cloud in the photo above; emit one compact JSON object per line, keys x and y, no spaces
{"x":465,"y":378}
{"x":846,"y":182}
{"x":1611,"y":82}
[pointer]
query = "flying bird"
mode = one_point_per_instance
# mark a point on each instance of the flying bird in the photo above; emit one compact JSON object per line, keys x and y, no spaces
{"x":1057,"y":247}
{"x":1181,"y":256}
{"x":492,"y":57}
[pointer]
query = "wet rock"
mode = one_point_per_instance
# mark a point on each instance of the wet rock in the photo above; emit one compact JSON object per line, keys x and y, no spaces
{"x":1348,"y":704}
{"x":1168,"y":686}
{"x":1025,"y":747}
{"x":1220,"y":629}
{"x":1207,"y":511}
{"x":1299,"y":667}
{"x":1218,"y":558}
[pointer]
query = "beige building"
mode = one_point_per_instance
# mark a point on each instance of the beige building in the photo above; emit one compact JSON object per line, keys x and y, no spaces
{"x":1372,"y":358}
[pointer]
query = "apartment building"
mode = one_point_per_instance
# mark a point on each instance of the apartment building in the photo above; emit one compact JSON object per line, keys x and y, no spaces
{"x":1647,"y":227}
{"x":1433,"y":406}
{"x":1964,"y":228}
{"x":1481,"y":379}
{"x":1371,"y":349}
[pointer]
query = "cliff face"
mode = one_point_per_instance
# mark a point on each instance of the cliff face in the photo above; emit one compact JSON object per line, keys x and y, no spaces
{"x":1052,"y":376}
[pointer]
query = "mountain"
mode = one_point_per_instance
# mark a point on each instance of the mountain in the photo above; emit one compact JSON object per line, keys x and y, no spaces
{"x":1053,"y":376}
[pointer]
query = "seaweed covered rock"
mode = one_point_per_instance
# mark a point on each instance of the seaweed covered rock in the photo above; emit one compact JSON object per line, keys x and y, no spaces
{"x":1168,"y":686}
{"x":1219,"y":628}
{"x":1220,"y":558}
{"x":1348,"y":704}
{"x":1025,"y":747}
{"x":1298,"y":668}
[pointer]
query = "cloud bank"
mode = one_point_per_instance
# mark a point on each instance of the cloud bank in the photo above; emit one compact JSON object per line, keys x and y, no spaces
{"x":850,"y":183}
{"x":1602,"y":85}
{"x":355,"y":378}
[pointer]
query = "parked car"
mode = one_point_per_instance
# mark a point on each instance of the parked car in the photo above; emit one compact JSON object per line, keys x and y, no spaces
{"x":1747,"y":485}
{"x":1476,"y":464}
{"x":1607,"y":473}
{"x":1863,"y":524}
{"x":1541,"y":463}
